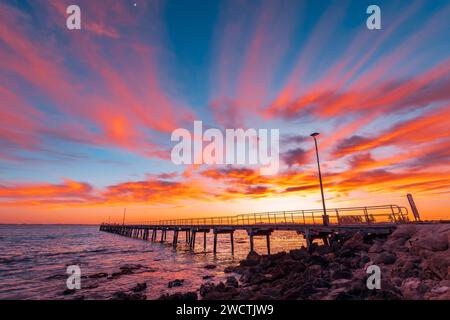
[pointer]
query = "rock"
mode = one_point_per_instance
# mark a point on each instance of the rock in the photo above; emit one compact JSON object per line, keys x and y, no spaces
{"x":271,"y":293}
{"x":114,"y":275}
{"x":430,"y":238}
{"x":332,"y":295}
{"x":439,"y":290}
{"x":252,"y":260}
{"x":89,"y":284}
{"x":276,"y":272}
{"x":175,"y":283}
{"x":139,"y":287}
{"x":230,"y":269}
{"x":125,"y":271}
{"x":218,"y":292}
{"x":306,"y":290}
{"x":245,"y":295}
{"x":210,"y":266}
{"x":365,"y":259}
{"x":98,"y":275}
{"x":312,"y":272}
{"x":409,"y":289}
{"x":250,"y":276}
{"x":190,"y":296}
{"x":206,"y":288}
{"x":121,"y":295}
{"x":444,"y":297}
{"x":341,"y":283}
{"x":321,"y":283}
{"x":131,"y":267}
{"x":407,"y":266}
{"x":69,"y":291}
{"x":322,"y":250}
{"x":207,"y":277}
{"x":319,"y":260}
{"x":341,"y":274}
{"x":377,"y":247}
{"x":411,"y":269}
{"x":276,"y":256}
{"x":299,"y":268}
{"x":299,"y":254}
{"x":345,"y":295}
{"x":232,"y":282}
{"x":57,"y":277}
{"x":355,"y":243}
{"x":358,"y":285}
{"x":395,"y":245}
{"x":439,"y":264}
{"x":405,"y":231}
{"x":385,"y":258}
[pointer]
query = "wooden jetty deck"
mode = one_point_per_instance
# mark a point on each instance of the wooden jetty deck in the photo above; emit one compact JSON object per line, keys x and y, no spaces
{"x":312,"y":224}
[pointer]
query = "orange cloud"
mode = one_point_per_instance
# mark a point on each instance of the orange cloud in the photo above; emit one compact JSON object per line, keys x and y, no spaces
{"x":68,"y":189}
{"x":115,"y":107}
{"x":428,"y":127}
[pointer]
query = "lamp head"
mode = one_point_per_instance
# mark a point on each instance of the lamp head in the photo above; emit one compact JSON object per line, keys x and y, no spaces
{"x":314,"y":134}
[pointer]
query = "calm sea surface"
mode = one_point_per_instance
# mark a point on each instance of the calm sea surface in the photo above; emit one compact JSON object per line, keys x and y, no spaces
{"x":34,"y":258}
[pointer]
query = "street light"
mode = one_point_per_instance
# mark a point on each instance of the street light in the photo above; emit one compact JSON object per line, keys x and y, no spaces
{"x":325,"y":216}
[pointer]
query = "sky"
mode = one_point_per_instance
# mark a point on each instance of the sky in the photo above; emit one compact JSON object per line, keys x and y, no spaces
{"x":86,"y":116}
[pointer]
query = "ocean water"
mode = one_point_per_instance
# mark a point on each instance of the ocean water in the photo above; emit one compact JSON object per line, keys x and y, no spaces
{"x":34,"y":259}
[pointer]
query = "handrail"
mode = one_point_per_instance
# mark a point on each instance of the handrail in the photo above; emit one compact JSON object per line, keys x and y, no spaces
{"x":338,"y":216}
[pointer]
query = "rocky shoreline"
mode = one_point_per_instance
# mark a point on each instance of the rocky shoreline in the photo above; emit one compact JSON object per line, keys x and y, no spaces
{"x":414,"y":262}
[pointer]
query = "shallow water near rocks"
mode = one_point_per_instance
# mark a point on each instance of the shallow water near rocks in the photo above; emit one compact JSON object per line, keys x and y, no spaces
{"x":34,"y":259}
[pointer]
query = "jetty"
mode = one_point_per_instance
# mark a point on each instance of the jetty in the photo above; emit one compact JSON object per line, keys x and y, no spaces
{"x":311,"y":224}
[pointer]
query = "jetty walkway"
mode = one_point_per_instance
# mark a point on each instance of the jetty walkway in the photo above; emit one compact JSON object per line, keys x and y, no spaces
{"x":312,"y":224}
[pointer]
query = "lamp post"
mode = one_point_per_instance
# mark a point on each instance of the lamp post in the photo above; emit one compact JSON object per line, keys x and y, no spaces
{"x":123,"y":220}
{"x":325,"y":216}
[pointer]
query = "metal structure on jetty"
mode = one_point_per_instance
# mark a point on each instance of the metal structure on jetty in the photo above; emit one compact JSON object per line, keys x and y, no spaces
{"x":374,"y":220}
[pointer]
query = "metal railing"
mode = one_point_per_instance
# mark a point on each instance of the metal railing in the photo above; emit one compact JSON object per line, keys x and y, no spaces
{"x":337,"y":216}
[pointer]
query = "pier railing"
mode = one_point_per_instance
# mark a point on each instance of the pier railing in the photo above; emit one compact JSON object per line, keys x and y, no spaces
{"x":337,"y":216}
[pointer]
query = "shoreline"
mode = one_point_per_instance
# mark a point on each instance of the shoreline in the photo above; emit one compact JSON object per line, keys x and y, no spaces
{"x":414,"y":262}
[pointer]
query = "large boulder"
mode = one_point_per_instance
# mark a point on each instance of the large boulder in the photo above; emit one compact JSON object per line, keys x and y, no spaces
{"x":252,"y":260}
{"x":439,"y":263}
{"x":430,"y":238}
{"x":404,"y":231}
{"x":355,"y":243}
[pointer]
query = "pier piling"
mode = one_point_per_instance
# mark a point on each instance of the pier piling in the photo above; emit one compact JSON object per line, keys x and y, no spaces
{"x":232,"y":242}
{"x":204,"y":241}
{"x":374,"y":220}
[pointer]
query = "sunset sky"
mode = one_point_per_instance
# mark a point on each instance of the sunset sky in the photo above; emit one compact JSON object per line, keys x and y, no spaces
{"x":86,"y":115}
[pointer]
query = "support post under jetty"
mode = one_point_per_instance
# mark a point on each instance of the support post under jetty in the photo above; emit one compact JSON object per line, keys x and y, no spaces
{"x":374,"y":220}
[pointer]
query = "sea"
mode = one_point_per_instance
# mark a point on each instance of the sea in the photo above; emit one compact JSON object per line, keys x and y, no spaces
{"x":34,"y":261}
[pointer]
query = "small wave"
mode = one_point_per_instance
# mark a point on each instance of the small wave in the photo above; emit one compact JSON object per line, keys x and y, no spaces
{"x":12,"y":260}
{"x":77,"y":252}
